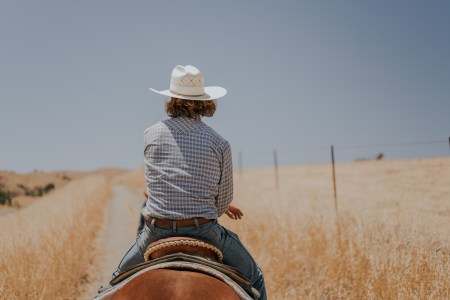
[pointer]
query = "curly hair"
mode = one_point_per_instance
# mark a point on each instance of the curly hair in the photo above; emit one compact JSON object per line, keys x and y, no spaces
{"x":194,"y":109}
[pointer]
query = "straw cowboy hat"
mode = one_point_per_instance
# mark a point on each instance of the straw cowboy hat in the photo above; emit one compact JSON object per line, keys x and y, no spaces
{"x":187,"y":83}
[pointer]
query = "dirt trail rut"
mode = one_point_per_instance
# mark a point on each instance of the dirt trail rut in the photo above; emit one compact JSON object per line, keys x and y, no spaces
{"x":118,"y":232}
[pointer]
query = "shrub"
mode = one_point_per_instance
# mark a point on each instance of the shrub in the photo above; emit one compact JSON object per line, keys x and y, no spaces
{"x":49,"y":187}
{"x":5,"y":197}
{"x":38,"y":191}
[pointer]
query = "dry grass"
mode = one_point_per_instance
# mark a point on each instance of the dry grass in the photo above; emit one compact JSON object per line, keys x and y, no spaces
{"x":391,"y":239}
{"x":46,"y":247}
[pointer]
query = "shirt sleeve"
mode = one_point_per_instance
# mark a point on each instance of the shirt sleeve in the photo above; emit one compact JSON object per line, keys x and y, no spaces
{"x":225,"y":195}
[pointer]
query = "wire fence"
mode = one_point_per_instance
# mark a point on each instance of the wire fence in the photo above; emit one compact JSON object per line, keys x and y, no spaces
{"x":350,"y":178}
{"x":344,"y":153}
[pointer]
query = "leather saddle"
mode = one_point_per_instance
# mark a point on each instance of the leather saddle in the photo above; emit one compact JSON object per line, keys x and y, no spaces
{"x":184,"y":249}
{"x":184,"y":253}
{"x":185,"y":262}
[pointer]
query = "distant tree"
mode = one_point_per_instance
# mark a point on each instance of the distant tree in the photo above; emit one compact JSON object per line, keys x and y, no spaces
{"x":380,"y":156}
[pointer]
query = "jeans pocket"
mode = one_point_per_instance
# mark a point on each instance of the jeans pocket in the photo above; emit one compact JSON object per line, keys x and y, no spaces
{"x":217,"y":230}
{"x":204,"y":227}
{"x":210,"y":232}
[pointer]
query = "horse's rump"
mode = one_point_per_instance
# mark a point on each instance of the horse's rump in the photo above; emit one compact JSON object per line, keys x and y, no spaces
{"x":173,"y":284}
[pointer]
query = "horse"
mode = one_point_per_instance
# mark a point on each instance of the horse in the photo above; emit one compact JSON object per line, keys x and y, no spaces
{"x":175,"y":284}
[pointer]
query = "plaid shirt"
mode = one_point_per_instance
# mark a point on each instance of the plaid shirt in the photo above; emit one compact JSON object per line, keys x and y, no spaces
{"x":188,"y":170}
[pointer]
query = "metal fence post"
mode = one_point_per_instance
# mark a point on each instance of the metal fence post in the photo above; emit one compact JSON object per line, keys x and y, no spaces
{"x":334,"y":178}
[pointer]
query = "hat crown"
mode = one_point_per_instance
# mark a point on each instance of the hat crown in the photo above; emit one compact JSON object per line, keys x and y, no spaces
{"x":187,"y":80}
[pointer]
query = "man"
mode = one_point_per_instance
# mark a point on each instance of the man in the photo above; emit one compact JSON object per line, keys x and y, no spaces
{"x":189,"y":177}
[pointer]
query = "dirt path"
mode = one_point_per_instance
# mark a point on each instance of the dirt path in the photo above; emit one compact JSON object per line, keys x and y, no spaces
{"x":119,"y":231}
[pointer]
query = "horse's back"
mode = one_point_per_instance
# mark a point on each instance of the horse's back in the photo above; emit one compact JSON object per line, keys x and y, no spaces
{"x":171,"y":284}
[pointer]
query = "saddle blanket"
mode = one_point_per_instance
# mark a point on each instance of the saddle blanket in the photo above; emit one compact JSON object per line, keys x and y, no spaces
{"x":180,"y":265}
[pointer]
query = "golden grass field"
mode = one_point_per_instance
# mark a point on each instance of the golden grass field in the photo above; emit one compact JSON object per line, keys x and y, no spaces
{"x":389,"y":239}
{"x":45,"y":247}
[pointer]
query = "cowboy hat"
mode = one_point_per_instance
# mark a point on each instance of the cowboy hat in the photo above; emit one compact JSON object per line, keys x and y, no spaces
{"x":187,"y":83}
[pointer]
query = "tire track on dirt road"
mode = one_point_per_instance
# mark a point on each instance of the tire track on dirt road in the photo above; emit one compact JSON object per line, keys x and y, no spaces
{"x":118,"y":232}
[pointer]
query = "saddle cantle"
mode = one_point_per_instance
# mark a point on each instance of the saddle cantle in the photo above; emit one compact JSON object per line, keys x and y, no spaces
{"x":186,"y":245}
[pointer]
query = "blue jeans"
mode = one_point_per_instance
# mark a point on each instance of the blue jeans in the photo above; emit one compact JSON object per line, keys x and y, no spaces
{"x":212,"y":232}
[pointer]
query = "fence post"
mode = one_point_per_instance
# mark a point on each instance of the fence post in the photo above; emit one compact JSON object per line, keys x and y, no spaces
{"x":275,"y":162}
{"x":334,"y":178}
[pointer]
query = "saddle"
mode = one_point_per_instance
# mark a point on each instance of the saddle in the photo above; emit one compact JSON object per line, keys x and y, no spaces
{"x":184,"y":253}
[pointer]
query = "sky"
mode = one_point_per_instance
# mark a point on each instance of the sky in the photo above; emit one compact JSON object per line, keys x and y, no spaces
{"x":300,"y":76}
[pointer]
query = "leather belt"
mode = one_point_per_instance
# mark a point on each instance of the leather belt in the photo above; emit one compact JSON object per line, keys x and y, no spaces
{"x":178,"y":223}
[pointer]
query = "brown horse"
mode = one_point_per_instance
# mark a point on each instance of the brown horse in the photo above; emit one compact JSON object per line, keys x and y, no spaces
{"x":175,"y":284}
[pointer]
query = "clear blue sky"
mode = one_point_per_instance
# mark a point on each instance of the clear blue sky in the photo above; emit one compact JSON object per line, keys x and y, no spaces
{"x":300,"y":75}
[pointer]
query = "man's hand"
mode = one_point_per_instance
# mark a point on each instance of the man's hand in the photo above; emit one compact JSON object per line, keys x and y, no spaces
{"x":234,"y":212}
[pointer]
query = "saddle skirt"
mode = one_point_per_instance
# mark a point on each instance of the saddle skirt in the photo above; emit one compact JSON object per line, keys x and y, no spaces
{"x":183,"y":253}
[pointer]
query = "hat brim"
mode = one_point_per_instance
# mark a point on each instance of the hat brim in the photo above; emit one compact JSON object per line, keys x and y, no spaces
{"x":211,"y":93}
